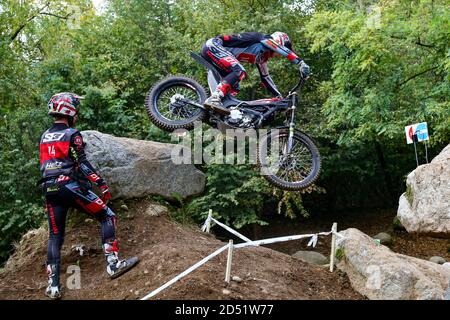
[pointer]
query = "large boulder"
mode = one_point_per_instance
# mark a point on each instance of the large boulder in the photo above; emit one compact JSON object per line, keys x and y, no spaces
{"x":135,"y":168}
{"x":425,"y":206}
{"x":380,"y":274}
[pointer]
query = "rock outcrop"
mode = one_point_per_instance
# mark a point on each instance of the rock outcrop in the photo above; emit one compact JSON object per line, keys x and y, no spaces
{"x":135,"y":168}
{"x":380,"y":274}
{"x":425,"y":206}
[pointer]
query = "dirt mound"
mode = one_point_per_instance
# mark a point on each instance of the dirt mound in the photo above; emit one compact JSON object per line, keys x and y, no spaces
{"x":165,"y":249}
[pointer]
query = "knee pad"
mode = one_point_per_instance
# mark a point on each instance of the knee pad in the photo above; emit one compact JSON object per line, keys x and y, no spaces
{"x":239,"y":71}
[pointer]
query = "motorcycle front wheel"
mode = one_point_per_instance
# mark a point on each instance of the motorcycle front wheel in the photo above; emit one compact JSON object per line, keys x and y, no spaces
{"x":294,"y":170}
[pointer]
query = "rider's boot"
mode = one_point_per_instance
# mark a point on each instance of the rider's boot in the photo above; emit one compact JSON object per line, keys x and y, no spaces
{"x":214,"y":102}
{"x":116,"y":267}
{"x":53,"y":290}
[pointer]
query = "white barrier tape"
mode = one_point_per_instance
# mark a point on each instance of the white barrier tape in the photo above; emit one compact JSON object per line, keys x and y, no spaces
{"x":186,"y":272}
{"x":340,"y":239}
{"x":233,"y":231}
{"x":315,"y":238}
{"x":207,"y":225}
{"x":279,"y":239}
{"x":313,"y":241}
{"x":340,"y":235}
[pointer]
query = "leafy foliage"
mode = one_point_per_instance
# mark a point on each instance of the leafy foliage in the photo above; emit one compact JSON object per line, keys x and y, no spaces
{"x":21,"y":201}
{"x":388,"y":70}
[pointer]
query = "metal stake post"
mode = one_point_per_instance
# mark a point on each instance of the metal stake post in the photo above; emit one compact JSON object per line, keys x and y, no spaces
{"x":415,"y":148}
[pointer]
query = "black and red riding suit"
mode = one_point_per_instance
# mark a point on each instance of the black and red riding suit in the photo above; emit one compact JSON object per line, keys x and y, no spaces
{"x":66,"y":179}
{"x":227,"y":51}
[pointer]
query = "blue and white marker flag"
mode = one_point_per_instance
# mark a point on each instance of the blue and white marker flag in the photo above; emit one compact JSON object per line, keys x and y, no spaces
{"x":418,"y":129}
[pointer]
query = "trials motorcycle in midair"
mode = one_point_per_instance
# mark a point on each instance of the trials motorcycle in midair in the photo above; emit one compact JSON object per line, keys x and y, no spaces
{"x":176,"y":102}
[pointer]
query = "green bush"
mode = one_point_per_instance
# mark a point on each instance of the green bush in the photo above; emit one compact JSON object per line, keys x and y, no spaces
{"x":238,"y":194}
{"x":21,"y":202}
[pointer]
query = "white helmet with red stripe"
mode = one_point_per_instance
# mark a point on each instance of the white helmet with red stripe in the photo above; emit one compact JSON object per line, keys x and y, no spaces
{"x":64,"y":104}
{"x":282,"y":39}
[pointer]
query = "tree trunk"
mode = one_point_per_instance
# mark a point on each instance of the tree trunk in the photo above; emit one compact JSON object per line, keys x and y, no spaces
{"x":384,"y":172}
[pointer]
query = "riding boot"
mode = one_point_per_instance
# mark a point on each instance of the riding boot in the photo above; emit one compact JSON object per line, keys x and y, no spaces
{"x":214,"y":102}
{"x":116,"y":267}
{"x":53,"y":290}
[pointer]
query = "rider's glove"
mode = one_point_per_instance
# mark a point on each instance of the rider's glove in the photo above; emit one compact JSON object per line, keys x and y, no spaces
{"x":304,"y":70}
{"x":106,"y":195}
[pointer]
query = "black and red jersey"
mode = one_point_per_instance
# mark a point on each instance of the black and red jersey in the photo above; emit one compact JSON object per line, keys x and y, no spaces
{"x":243,"y":39}
{"x":250,"y":47}
{"x":255,"y":47}
{"x":62,"y":154}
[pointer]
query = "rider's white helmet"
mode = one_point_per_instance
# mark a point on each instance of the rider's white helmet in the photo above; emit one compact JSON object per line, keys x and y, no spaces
{"x":282,"y":39}
{"x":64,"y":104}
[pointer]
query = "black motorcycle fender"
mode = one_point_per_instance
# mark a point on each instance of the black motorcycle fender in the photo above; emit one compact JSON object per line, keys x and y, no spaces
{"x":287,"y":128}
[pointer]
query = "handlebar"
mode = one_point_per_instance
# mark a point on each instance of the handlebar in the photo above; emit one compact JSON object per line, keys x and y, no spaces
{"x":300,"y":83}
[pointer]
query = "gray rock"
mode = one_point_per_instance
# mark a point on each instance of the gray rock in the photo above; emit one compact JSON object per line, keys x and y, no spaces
{"x":385,"y":238}
{"x":380,"y":274}
{"x":236,"y":279}
{"x":226,"y":291}
{"x":443,"y":156}
{"x":425,"y":206}
{"x":156,"y":210}
{"x":446,"y":265}
{"x":447,"y":294}
{"x":311,"y":257}
{"x":438,"y":260}
{"x":135,"y":168}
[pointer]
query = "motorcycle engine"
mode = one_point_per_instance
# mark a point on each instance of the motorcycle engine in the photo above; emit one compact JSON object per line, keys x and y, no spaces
{"x":239,"y":119}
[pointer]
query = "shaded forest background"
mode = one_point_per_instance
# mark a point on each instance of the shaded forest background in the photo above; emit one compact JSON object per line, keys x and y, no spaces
{"x":377,"y":66}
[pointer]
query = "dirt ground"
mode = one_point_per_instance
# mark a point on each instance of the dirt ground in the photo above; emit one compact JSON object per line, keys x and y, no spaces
{"x":166,"y":249}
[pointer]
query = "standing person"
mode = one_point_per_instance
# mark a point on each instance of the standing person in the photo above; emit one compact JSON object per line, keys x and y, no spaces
{"x":67,"y":178}
{"x":226,"y":52}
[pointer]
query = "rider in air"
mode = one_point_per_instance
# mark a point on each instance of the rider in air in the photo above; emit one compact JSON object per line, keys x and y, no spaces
{"x":227,"y":51}
{"x":67,"y":178}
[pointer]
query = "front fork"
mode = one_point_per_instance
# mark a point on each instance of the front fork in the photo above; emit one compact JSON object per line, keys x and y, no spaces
{"x":292,"y":123}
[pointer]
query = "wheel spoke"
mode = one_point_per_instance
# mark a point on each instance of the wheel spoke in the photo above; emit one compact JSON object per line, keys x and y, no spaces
{"x":294,"y":167}
{"x":177,"y":110}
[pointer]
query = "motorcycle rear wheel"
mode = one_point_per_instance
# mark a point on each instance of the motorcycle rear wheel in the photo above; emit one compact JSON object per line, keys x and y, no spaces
{"x":166,"y":111}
